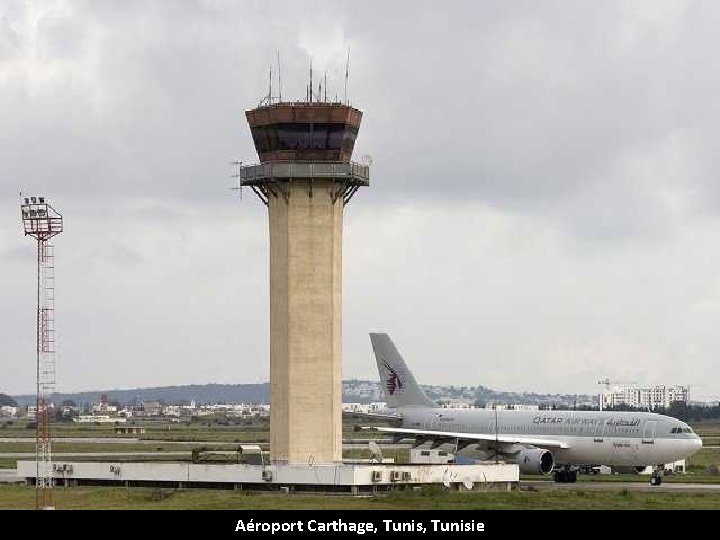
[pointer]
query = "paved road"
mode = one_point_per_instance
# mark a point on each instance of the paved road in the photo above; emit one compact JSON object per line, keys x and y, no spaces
{"x":617,"y":486}
{"x":75,"y":440}
{"x":115,"y":440}
{"x":96,"y":454}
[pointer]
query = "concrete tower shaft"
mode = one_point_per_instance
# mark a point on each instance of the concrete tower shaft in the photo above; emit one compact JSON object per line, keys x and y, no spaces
{"x":305,"y":178}
{"x":306,"y":325}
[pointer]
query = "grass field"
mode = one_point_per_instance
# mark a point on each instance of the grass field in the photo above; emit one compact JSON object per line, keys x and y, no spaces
{"x":159,"y":437}
{"x":709,"y":428}
{"x":111,"y":447}
{"x":698,"y":462}
{"x":156,"y":431}
{"x":144,"y":498}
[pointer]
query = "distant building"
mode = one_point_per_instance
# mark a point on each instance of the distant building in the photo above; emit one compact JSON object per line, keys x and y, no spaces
{"x":8,"y":411}
{"x":99,"y":419}
{"x":152,"y":408}
{"x":675,"y":467}
{"x":456,"y":404}
{"x":648,"y":397}
{"x":127,"y":430}
{"x":365,"y":408}
{"x":31,"y":412}
{"x":522,"y":407}
{"x":68,"y":411}
{"x":103,"y":408}
{"x":511,"y":407}
{"x":361,"y":390}
{"x":238,"y":410}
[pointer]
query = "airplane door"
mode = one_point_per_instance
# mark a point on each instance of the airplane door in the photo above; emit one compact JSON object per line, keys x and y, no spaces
{"x":635,"y":453}
{"x":649,"y":432}
{"x":599,"y":430}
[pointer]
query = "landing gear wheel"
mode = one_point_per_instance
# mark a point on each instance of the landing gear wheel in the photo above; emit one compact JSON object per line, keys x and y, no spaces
{"x":560,"y":477}
{"x":564,"y":476}
{"x":657,"y":474}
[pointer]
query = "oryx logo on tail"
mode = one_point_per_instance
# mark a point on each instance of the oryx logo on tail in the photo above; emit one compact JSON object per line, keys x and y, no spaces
{"x":396,"y":380}
{"x":393,"y":381}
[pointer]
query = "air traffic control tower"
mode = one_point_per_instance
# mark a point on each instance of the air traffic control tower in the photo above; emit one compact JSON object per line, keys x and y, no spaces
{"x":305,"y":178}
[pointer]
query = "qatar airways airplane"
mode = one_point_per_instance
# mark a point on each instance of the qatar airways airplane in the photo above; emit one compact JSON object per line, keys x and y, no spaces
{"x":540,"y":442}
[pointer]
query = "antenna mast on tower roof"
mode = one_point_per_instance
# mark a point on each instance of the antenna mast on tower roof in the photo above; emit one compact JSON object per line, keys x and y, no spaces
{"x":347,"y":73}
{"x":279,"y":77}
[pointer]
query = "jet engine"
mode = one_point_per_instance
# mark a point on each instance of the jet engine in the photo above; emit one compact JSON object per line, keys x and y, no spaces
{"x":534,"y":461}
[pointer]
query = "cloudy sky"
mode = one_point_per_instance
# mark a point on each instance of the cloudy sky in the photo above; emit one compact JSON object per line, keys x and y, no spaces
{"x":543,"y":209}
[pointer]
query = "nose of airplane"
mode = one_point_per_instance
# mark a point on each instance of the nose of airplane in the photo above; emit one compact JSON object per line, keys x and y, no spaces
{"x":696,"y":443}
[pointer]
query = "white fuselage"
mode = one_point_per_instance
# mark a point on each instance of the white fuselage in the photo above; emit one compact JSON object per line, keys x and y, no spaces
{"x":588,"y":437}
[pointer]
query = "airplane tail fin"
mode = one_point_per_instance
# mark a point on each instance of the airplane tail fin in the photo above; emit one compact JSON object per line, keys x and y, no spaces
{"x":396,"y":380}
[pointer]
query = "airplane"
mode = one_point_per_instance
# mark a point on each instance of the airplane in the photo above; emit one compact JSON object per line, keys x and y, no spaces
{"x":540,"y":442}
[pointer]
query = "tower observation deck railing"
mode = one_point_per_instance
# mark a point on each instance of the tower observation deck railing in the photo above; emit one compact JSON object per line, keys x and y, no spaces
{"x":286,"y":171}
{"x":274,"y":177}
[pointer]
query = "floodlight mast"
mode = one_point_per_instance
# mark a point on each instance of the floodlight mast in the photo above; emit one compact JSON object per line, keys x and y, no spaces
{"x":42,"y":222}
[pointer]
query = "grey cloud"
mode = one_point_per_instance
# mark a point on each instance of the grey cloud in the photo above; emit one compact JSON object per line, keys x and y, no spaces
{"x":525,"y":157}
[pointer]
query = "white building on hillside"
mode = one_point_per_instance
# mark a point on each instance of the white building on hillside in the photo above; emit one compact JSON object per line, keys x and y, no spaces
{"x":98,"y":419}
{"x":365,"y":408}
{"x":493,"y":405}
{"x":645,"y":397}
{"x":8,"y":411}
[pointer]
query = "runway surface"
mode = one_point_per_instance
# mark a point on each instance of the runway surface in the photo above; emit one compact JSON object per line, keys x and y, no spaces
{"x":113,"y":440}
{"x":98,"y":454}
{"x":618,"y":486}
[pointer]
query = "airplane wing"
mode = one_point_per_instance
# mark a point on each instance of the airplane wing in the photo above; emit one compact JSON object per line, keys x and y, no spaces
{"x":480,"y":437}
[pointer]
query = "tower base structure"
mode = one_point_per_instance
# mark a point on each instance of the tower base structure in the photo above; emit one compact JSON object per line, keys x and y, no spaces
{"x":351,"y":478}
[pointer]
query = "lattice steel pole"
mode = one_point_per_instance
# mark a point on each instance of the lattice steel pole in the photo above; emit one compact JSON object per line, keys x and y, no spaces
{"x":42,"y":222}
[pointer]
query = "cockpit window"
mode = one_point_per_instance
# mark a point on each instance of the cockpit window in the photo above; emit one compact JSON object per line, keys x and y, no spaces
{"x":674,"y":430}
